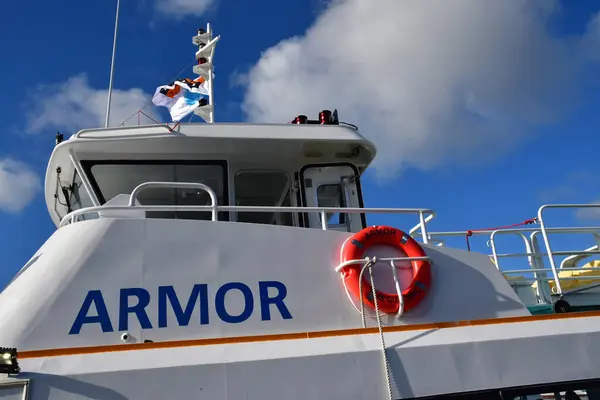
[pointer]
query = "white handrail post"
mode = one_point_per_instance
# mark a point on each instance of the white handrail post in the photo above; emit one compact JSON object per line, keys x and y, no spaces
{"x":423,"y":228}
{"x":549,"y":249}
{"x":539,"y":263}
{"x":177,"y":185}
{"x":324,"y":220}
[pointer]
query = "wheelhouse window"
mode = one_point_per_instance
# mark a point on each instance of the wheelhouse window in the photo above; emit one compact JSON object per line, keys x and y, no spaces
{"x":263,"y":188}
{"x":333,"y":196}
{"x":332,"y":186}
{"x":80,"y":198}
{"x":118,"y":178}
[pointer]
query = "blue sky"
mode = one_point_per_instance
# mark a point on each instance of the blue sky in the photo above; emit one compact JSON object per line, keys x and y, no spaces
{"x":482,"y":111}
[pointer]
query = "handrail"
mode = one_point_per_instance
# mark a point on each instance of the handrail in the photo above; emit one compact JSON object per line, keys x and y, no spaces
{"x":421,"y":224}
{"x":79,"y":134}
{"x":545,"y":234}
{"x":575,"y":258}
{"x":531,"y":256}
{"x":532,"y":251}
{"x":216,"y":209}
{"x":522,"y":271}
{"x":574,"y":229}
{"x":517,"y":232}
{"x":176,"y":185}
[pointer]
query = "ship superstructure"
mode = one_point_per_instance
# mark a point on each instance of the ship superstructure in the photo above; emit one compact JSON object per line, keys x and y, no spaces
{"x":229,"y":261}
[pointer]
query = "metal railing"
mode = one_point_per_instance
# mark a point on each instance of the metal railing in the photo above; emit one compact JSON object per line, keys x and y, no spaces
{"x":543,"y":290}
{"x":541,"y":275}
{"x":545,"y":230}
{"x":423,"y":213}
{"x":176,"y":185}
{"x":532,"y":249}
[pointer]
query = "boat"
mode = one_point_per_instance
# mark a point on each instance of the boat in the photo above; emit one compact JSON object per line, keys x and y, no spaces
{"x":236,"y":261}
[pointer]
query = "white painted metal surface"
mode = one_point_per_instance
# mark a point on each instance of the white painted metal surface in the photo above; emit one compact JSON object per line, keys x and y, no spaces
{"x":424,"y":362}
{"x":116,"y":257}
{"x":257,"y":310}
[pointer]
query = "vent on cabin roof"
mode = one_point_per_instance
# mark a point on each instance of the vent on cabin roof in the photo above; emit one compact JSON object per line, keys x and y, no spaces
{"x":326,"y":117}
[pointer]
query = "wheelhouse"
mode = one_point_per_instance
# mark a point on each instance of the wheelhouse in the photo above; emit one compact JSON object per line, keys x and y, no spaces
{"x":248,"y":168}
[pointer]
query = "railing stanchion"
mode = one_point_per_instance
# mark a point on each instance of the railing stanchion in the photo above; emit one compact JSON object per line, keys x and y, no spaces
{"x":423,"y":227}
{"x":323,"y":220}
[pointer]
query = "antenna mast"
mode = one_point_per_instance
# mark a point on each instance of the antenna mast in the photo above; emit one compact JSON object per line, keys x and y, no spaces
{"x":206,"y":50}
{"x":112,"y":66}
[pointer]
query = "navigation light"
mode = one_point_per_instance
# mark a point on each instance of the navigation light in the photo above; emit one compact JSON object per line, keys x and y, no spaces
{"x":300,"y":119}
{"x":325,"y":117}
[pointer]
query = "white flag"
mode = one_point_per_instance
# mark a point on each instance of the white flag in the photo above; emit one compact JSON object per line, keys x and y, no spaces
{"x":181,"y":97}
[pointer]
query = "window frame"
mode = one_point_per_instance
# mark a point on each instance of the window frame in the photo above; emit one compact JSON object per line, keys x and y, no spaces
{"x":343,"y":204}
{"x":88,"y":164}
{"x":289,"y":187}
{"x":359,"y":193}
{"x":72,"y":196}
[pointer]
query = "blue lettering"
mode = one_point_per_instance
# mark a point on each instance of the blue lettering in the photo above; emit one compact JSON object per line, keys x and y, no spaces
{"x":271,"y":293}
{"x":266,"y":301}
{"x":220,"y":303}
{"x":139,"y":309}
{"x":93,"y":297}
{"x":165,"y":293}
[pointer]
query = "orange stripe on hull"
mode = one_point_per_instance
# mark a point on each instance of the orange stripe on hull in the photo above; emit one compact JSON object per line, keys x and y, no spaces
{"x":294,"y":336}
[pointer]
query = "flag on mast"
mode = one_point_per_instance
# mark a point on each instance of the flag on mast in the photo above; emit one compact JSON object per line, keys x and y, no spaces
{"x":182,"y":96}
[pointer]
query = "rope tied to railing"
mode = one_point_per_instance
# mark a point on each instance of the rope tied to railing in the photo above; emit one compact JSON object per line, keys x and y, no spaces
{"x":470,"y":231}
{"x":369,"y":263}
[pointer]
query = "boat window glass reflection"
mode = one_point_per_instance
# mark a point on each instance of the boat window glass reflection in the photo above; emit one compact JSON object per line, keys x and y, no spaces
{"x":263,"y":188}
{"x":332,"y":195}
{"x":111,"y":179}
{"x":80,"y":198}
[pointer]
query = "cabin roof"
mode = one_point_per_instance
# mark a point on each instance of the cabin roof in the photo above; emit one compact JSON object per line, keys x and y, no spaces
{"x":306,"y":143}
{"x":232,"y":131}
{"x":231,"y":140}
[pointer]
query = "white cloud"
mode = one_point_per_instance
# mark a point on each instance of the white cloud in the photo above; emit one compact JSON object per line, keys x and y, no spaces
{"x":181,"y":8}
{"x":75,"y":105}
{"x":586,"y":214}
{"x":569,"y":186}
{"x":431,"y":82}
{"x":18,"y":185}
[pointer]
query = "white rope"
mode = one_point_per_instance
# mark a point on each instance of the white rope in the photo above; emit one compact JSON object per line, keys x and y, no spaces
{"x":369,"y":264}
{"x":391,"y":261}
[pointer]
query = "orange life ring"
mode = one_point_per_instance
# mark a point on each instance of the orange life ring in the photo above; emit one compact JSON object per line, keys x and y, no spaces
{"x":354,"y":248}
